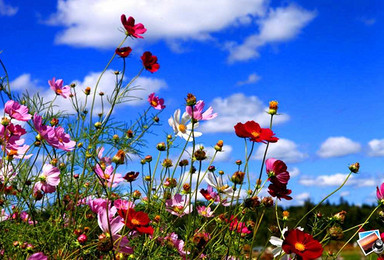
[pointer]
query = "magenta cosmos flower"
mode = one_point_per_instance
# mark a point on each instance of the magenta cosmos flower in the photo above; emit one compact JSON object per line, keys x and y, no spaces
{"x":204,"y":211}
{"x":277,"y":171}
{"x":108,"y":175}
{"x":156,"y":102}
{"x":17,"y":111}
{"x":38,"y":256}
{"x":48,"y":179}
{"x":57,"y":86}
{"x":380,"y":193}
{"x":198,"y":113}
{"x":131,"y":28}
{"x":178,"y":206}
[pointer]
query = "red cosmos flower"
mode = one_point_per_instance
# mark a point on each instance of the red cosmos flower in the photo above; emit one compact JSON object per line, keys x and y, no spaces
{"x":136,"y":220}
{"x":131,"y":176}
{"x":150,"y":62}
{"x":123,"y":52}
{"x":131,"y":28}
{"x":279,"y":190}
{"x":277,"y":171}
{"x":254,"y":132}
{"x":302,"y":244}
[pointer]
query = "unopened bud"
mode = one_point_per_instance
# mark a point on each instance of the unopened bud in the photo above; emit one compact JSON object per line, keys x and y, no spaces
{"x":98,"y":125}
{"x":156,"y":119}
{"x":129,"y":133}
{"x":148,"y":158}
{"x":101,"y":93}
{"x":54,"y":121}
{"x":239,"y":162}
{"x":54,"y":161}
{"x":82,"y":239}
{"x":5,"y":121}
{"x":136,"y":194}
{"x":119,"y":157}
{"x":167,"y":163}
{"x":115,"y":137}
{"x":87,"y":91}
{"x":354,"y":167}
{"x":191,"y":100}
{"x":238,"y":177}
{"x":161,"y":146}
{"x":273,"y":106}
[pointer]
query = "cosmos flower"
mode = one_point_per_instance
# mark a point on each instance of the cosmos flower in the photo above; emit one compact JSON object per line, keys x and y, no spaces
{"x":150,"y":62}
{"x":380,"y":193}
{"x":255,"y":133}
{"x":302,"y":244}
{"x":218,"y":183}
{"x":123,"y":52}
{"x":156,"y":102}
{"x":204,"y":211}
{"x":136,"y":220}
{"x":198,"y":113}
{"x":17,"y":111}
{"x":48,"y":179}
{"x":182,"y":127}
{"x":131,"y":28}
{"x":178,"y":205}
{"x":277,"y":171}
{"x":111,"y":178}
{"x":57,"y":86}
{"x":279,"y":190}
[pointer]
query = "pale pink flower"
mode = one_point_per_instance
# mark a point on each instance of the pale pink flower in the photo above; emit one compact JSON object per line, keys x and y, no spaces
{"x":48,"y":179}
{"x":17,"y":111}
{"x":38,"y":123}
{"x":3,"y":215}
{"x":98,"y":204}
{"x":156,"y":102}
{"x":18,"y":149}
{"x":178,"y":205}
{"x":105,"y":160}
{"x":204,"y":211}
{"x":57,"y":86}
{"x":111,"y":178}
{"x":177,"y":243}
{"x":38,"y":256}
{"x":198,"y":113}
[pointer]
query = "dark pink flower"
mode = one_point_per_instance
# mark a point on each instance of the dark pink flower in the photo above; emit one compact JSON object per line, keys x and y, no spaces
{"x":150,"y":62}
{"x":279,"y":190}
{"x":38,"y":256}
{"x":17,"y":111}
{"x":131,"y":28}
{"x":380,"y":193}
{"x":57,"y":86}
{"x":156,"y":102}
{"x":123,"y":52}
{"x":57,"y":138}
{"x":48,"y":179}
{"x":277,"y":171}
{"x":123,"y":204}
{"x":198,"y":113}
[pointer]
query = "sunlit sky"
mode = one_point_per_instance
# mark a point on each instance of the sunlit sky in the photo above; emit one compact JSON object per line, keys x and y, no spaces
{"x":321,"y":60}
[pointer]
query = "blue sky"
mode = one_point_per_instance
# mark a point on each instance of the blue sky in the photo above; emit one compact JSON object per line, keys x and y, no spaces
{"x":322,"y":60}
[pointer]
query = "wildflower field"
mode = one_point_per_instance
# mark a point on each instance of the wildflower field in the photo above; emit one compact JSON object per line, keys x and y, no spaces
{"x":69,"y":188}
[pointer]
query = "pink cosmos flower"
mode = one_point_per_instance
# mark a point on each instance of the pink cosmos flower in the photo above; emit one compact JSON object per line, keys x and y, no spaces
{"x":17,"y":111}
{"x":3,"y":215}
{"x":156,"y":102}
{"x":55,"y":136}
{"x":131,"y":28}
{"x":48,"y":179}
{"x":38,"y":256}
{"x":97,"y":205}
{"x":238,"y":226}
{"x":57,"y":86}
{"x":123,"y":204}
{"x":198,"y":111}
{"x":111,"y":178}
{"x":103,"y":160}
{"x":380,"y":192}
{"x":177,"y":243}
{"x":178,"y":206}
{"x":204,"y":211}
{"x":277,"y":171}
{"x":107,"y":220}
{"x":24,"y":216}
{"x":18,"y":149}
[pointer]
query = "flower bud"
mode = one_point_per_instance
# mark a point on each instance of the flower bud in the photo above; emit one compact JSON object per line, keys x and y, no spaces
{"x":79,"y":145}
{"x":169,"y":137}
{"x":98,"y":125}
{"x":200,"y":154}
{"x":273,"y":106}
{"x":170,"y":183}
{"x":82,"y":239}
{"x":238,"y":177}
{"x":354,"y":167}
{"x":156,"y":119}
{"x":116,"y":72}
{"x":285,"y":215}
{"x":129,"y":133}
{"x":119,"y":157}
{"x":336,"y":232}
{"x":143,"y":161}
{"x":239,"y":162}
{"x":211,"y":168}
{"x":54,"y":161}
{"x":5,"y":121}
{"x":148,"y":158}
{"x":167,"y":163}
{"x":221,"y":172}
{"x":340,"y":216}
{"x":161,"y":146}
{"x":76,"y":176}
{"x":267,"y":202}
{"x":147,"y":178}
{"x":115,"y":137}
{"x":183,"y":163}
{"x":219,"y":146}
{"x":186,"y":188}
{"x":54,"y":121}
{"x":87,"y":91}
{"x":191,"y":100}
{"x":101,"y":93}
{"x":136,"y":194}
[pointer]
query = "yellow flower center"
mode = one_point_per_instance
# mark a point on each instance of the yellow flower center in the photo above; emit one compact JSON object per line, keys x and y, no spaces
{"x":182,"y":128}
{"x":255,"y":134}
{"x":59,"y":91}
{"x":299,"y":246}
{"x":154,"y":103}
{"x":106,"y":176}
{"x":204,"y":213}
{"x":135,"y":222}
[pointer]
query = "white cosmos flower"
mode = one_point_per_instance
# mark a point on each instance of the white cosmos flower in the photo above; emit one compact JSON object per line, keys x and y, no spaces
{"x":219,"y":184}
{"x":182,"y":127}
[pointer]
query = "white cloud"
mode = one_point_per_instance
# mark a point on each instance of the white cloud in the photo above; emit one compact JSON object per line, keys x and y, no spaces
{"x":285,"y":150}
{"x":252,"y":78}
{"x":238,"y":108}
{"x":376,"y":147}
{"x":280,"y":25}
{"x":338,"y":146}
{"x":7,"y":10}
{"x":294,"y":172}
{"x":164,"y":19}
{"x":142,"y":87}
{"x":344,"y":194}
{"x":336,"y":180}
{"x":298,"y":200}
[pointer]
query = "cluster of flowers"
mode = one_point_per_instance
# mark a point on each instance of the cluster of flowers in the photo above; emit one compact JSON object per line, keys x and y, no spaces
{"x":170,"y":220}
